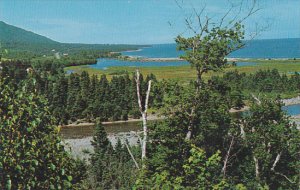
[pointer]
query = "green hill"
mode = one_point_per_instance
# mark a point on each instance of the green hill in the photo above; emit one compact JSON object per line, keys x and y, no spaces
{"x":21,"y":43}
{"x":13,"y":35}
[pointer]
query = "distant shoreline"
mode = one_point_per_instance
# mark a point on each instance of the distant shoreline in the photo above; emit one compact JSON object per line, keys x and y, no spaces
{"x":168,"y":59}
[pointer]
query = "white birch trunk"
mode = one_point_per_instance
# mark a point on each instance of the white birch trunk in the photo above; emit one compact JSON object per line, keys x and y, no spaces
{"x":143,"y":113}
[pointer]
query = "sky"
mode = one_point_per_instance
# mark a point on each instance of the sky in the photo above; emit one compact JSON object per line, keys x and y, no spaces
{"x":142,"y":21}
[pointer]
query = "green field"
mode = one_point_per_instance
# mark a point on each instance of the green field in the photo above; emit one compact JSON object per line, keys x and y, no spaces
{"x":185,"y":73}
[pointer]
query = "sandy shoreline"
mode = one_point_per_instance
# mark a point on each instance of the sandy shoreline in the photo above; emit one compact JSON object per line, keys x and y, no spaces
{"x":166,"y":59}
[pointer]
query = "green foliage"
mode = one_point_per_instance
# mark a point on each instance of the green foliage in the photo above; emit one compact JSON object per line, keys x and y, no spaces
{"x":169,"y":149}
{"x":206,"y":50}
{"x":85,"y":97}
{"x":74,"y":96}
{"x":268,"y":133}
{"x":31,"y":153}
{"x":269,"y":136}
{"x":263,"y":81}
{"x":199,"y":172}
{"x":111,"y":167}
{"x":15,"y":71}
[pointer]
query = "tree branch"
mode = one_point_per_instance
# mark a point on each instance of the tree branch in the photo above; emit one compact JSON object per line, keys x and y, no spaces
{"x":227,"y":157}
{"x":276,"y":161}
{"x":132,"y":157}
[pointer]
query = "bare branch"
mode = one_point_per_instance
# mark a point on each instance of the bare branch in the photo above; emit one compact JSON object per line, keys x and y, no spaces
{"x":132,"y":157}
{"x":189,"y":24}
{"x":256,"y":99}
{"x":176,"y":1}
{"x":225,"y":15}
{"x":227,"y":157}
{"x":252,"y":11}
{"x":198,"y":15}
{"x":276,"y":161}
{"x":237,"y":14}
{"x":291,"y":181}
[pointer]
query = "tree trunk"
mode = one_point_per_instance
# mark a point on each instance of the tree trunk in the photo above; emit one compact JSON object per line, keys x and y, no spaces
{"x":143,"y":113}
{"x":256,"y":168}
{"x":192,"y":115}
{"x":144,"y":143}
{"x":227,"y":158}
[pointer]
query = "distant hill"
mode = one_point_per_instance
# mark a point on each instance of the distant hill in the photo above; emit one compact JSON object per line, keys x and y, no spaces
{"x":21,"y":43}
{"x":11,"y":34}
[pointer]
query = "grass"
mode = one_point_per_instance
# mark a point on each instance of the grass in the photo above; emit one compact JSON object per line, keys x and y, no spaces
{"x":186,"y":73}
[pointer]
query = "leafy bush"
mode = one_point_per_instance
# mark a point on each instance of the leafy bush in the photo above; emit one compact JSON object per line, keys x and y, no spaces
{"x":31,"y":153}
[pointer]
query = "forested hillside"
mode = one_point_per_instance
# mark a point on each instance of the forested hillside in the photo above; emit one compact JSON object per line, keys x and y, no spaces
{"x":13,"y":35}
{"x":19,"y":43}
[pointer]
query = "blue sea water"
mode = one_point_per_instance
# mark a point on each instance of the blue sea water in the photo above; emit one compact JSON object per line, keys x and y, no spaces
{"x":273,"y":48}
{"x":276,"y":48}
{"x":156,"y":51}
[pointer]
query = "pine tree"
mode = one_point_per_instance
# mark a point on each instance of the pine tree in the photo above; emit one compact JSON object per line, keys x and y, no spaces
{"x":100,"y":158}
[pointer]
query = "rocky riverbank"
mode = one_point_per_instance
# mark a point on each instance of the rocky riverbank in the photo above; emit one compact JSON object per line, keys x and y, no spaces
{"x":80,"y":147}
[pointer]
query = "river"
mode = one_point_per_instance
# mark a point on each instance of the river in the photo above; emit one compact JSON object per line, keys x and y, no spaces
{"x":78,"y":138}
{"x":104,"y":64}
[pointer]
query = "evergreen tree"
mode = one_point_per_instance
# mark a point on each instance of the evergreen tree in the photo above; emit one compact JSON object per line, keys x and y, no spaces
{"x":99,"y":159}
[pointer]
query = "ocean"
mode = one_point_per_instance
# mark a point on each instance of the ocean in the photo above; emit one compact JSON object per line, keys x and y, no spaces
{"x":265,"y":49}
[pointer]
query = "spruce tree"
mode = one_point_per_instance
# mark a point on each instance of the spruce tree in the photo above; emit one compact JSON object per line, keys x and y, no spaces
{"x":101,"y":155}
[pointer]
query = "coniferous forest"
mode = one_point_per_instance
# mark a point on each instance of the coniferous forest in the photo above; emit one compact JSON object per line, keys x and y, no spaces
{"x":198,"y":142}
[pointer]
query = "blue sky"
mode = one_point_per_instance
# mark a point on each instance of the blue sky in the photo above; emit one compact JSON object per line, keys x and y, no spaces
{"x":138,"y":21}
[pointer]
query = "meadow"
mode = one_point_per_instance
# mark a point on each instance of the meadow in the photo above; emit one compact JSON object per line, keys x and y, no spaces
{"x":185,"y":73}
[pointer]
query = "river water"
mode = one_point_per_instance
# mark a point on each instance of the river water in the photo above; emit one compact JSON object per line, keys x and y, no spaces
{"x":292,"y":110}
{"x":78,"y":139}
{"x":83,"y":131}
{"x":104,"y":64}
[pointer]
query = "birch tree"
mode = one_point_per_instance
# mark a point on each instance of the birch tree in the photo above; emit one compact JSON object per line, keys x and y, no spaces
{"x":143,"y":110}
